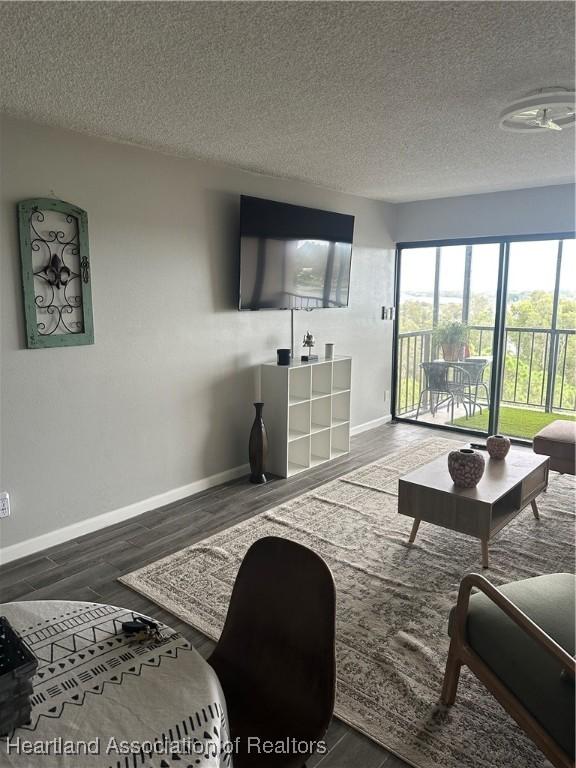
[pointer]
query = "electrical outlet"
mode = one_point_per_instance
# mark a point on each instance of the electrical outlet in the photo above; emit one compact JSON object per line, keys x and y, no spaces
{"x":387,"y":398}
{"x":4,"y":504}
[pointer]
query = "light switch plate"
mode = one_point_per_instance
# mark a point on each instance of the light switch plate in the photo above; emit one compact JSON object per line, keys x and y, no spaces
{"x":4,"y":504}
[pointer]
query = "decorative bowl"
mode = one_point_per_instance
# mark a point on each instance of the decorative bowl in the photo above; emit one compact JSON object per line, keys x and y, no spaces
{"x":466,"y":467}
{"x":498,"y":446}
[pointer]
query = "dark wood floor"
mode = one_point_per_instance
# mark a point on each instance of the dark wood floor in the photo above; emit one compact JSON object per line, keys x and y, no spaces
{"x":87,"y":568}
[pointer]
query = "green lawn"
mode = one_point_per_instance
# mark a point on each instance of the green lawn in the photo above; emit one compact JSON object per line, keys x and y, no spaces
{"x":515,"y":422}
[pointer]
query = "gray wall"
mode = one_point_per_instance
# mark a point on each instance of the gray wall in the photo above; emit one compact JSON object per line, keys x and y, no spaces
{"x":522,"y":212}
{"x":164,"y":397}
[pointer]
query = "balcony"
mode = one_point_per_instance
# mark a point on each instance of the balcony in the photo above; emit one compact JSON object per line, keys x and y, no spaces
{"x":507,"y":311}
{"x":538,"y":380}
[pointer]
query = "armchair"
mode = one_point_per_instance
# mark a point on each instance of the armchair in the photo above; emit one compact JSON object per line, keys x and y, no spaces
{"x":519,"y":642}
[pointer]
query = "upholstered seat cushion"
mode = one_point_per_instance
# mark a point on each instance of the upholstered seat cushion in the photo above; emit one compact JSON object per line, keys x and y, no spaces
{"x":531,"y":673}
{"x":558,"y":440}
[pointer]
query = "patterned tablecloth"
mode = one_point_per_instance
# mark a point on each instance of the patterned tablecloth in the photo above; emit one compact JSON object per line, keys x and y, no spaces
{"x":103,"y":699}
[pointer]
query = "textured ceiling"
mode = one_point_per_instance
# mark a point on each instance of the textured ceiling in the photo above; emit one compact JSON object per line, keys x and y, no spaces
{"x":391,"y":100}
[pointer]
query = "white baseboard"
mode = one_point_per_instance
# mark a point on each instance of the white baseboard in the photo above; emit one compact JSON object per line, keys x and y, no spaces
{"x":371,"y":425}
{"x":60,"y":535}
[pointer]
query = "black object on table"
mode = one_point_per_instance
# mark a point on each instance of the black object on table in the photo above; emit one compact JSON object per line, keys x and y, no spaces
{"x":283,"y":356}
{"x":141,"y":626}
{"x":18,"y":666}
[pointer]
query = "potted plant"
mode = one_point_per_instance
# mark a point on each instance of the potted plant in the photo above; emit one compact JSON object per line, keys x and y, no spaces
{"x":452,"y":337}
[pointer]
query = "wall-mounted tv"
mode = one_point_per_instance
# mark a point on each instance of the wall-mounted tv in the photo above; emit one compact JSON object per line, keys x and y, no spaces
{"x":293,"y":257}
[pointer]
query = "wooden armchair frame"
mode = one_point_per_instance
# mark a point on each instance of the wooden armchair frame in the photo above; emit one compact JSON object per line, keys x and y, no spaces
{"x":460,"y":653}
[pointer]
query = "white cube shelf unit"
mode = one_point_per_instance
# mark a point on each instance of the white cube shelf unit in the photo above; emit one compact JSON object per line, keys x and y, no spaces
{"x":306,"y":412}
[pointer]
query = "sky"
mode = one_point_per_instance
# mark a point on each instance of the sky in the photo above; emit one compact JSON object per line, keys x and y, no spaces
{"x":532,"y":267}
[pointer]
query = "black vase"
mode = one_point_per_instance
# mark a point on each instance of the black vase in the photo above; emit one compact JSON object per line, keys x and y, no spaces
{"x":258,"y":447}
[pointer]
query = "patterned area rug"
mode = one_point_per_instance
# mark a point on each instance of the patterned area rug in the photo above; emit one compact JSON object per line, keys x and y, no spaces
{"x":393,"y":604}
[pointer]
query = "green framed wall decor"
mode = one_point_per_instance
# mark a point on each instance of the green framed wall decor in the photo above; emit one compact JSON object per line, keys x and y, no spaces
{"x":56,"y":277}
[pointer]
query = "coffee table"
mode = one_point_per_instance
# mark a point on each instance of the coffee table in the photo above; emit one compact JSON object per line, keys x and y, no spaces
{"x":507,"y":486}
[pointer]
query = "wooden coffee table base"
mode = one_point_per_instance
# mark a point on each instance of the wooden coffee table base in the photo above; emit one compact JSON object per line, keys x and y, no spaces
{"x":483,"y":542}
{"x":484,"y":548}
{"x":414,"y":531}
{"x":504,"y":491}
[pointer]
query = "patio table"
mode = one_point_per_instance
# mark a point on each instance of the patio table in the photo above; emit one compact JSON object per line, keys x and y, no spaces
{"x":474,"y":367}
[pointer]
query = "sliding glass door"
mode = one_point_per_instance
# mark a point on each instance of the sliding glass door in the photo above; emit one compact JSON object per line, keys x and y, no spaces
{"x":485,"y":334}
{"x":446,"y":315}
{"x":539,"y":360}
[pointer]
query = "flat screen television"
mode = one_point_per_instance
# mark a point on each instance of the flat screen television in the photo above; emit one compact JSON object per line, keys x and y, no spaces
{"x":293,"y":257}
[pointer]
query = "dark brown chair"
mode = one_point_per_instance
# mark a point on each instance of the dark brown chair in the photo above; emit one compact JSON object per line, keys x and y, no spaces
{"x":276,"y":655}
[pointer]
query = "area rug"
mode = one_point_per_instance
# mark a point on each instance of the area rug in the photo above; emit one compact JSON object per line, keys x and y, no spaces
{"x":393,"y":602}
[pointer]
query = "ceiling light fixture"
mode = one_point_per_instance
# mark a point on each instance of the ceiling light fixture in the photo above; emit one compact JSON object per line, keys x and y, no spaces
{"x":548,"y":109}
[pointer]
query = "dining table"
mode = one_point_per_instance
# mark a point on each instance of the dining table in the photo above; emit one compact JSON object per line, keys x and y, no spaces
{"x":108,"y":699}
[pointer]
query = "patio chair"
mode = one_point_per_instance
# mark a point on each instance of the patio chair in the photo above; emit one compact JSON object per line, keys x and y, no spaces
{"x":447,"y":384}
{"x":276,"y":655}
{"x":519,"y":642}
{"x":476,"y":367}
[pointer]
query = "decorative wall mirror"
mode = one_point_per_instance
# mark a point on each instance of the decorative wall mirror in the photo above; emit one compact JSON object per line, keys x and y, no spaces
{"x":55,"y":273}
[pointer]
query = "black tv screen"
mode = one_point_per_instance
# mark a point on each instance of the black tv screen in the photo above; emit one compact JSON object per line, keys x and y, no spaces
{"x":293,"y":257}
